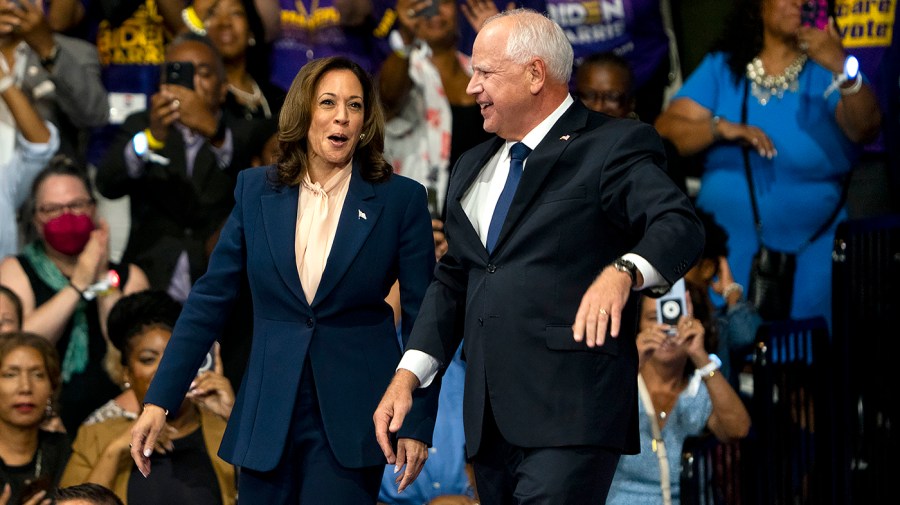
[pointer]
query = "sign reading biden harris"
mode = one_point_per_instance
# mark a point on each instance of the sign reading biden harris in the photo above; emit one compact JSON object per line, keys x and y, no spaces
{"x":633,"y":29}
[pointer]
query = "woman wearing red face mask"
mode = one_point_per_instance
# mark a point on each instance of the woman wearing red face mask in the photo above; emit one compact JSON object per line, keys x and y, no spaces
{"x":67,"y":285}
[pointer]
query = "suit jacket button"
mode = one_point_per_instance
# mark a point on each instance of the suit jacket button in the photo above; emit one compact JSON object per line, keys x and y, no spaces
{"x":309,"y":323}
{"x":491,"y":268}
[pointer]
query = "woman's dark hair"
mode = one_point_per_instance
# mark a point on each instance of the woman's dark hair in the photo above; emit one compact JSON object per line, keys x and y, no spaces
{"x":296,"y":117}
{"x":14,"y":299}
{"x":256,"y":56}
{"x":11,"y":341}
{"x":716,"y":244}
{"x":742,"y":37}
{"x":59,"y":165}
{"x":89,"y":492}
{"x":705,"y":313}
{"x":135,"y":313}
{"x":608,"y":59}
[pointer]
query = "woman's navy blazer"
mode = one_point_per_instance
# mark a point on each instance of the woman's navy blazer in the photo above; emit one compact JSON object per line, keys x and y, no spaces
{"x":347,"y":333}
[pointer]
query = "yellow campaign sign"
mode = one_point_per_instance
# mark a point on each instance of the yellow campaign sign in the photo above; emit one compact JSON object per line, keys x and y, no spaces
{"x":865,"y":23}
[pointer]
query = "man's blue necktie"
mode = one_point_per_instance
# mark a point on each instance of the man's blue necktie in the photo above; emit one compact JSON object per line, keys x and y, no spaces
{"x":518,"y":152}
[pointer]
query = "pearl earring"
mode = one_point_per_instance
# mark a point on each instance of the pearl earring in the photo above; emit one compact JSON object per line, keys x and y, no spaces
{"x":251,"y":42}
{"x":362,"y":136}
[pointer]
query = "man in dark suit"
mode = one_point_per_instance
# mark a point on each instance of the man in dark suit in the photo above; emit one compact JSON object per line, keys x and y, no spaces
{"x":177,"y":161}
{"x":550,"y":400}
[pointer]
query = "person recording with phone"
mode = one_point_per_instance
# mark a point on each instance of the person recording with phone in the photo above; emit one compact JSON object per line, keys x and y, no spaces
{"x":681,"y":393}
{"x":779,"y":112}
{"x":188,"y":469}
{"x":177,"y":161}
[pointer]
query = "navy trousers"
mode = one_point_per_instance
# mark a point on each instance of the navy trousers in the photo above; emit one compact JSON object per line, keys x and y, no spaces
{"x":308,"y":472}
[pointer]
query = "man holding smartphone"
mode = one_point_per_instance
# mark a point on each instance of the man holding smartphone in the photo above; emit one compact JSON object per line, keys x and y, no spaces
{"x":177,"y":163}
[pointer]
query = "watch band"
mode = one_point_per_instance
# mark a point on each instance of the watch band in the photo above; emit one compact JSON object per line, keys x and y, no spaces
{"x":628,"y":267}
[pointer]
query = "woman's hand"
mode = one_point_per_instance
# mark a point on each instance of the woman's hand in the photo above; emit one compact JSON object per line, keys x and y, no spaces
{"x":823,"y":46}
{"x":212,"y":391}
{"x":750,"y":135}
{"x":477,"y":11}
{"x":145,"y":433}
{"x":37,"y":499}
{"x":413,"y":453}
{"x":408,"y":18}
{"x":93,"y":261}
{"x":649,"y":340}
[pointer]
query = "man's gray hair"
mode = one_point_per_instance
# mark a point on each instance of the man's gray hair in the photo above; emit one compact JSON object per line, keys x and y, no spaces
{"x":536,"y":35}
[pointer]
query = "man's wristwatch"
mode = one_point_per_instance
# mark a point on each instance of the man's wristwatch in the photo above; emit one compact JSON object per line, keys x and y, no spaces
{"x":628,"y":267}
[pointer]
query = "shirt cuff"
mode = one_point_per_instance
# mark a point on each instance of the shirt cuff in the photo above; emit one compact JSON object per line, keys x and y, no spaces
{"x":422,"y":365}
{"x":651,"y":276}
{"x":134,"y":165}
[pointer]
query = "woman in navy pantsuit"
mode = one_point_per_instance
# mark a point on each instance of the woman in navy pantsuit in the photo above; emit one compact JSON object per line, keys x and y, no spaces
{"x":321,"y":236}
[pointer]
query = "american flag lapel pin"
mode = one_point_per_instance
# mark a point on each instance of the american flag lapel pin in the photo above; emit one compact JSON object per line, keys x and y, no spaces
{"x":564,"y":137}
{"x":362,"y":215}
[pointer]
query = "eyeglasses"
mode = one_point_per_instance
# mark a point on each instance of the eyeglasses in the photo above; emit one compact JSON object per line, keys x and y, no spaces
{"x":54,"y":210}
{"x":616,"y":98}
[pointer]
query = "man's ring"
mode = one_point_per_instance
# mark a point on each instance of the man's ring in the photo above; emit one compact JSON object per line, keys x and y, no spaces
{"x":129,"y":446}
{"x":176,"y":103}
{"x":690,"y":323}
{"x":604,"y":312}
{"x":411,"y":12}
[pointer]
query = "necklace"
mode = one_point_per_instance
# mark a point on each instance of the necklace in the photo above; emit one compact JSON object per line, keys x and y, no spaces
{"x":766,"y":86}
{"x":252,"y":100}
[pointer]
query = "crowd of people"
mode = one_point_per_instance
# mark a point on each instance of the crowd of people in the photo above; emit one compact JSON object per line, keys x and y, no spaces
{"x":405,"y":251}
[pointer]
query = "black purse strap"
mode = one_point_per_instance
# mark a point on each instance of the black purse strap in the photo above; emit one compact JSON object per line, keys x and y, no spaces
{"x":757,"y":221}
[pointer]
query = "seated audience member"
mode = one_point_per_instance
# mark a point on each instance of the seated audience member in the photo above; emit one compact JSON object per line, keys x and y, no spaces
{"x":86,"y":494}
{"x":772,"y":103}
{"x":10,"y":310}
{"x":176,"y":161}
{"x":737,"y":320}
{"x":603,"y":82}
{"x":186,"y":468}
{"x":60,"y":74}
{"x":681,"y":392}
{"x":31,"y":460}
{"x":26,"y":145}
{"x":67,"y":285}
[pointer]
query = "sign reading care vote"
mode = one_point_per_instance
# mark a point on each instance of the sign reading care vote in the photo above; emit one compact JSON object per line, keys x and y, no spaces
{"x":865,"y":23}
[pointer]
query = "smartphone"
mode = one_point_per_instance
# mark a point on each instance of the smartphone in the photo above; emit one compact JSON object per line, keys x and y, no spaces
{"x":671,"y":306}
{"x":209,"y":362}
{"x":430,"y":10}
{"x":179,"y":72}
{"x":31,"y":488}
{"x":814,"y":13}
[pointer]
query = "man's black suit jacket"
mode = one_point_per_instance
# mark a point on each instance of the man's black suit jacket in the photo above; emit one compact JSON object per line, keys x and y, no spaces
{"x":592,"y":190}
{"x":171,"y":211}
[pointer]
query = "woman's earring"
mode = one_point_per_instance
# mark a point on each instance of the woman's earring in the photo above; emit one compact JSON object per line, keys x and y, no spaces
{"x":48,"y":410}
{"x":362,"y":136}
{"x":251,"y":42}
{"x":126,"y":385}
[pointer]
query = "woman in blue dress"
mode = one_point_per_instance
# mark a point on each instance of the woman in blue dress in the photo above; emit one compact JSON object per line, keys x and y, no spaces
{"x":803,"y":127}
